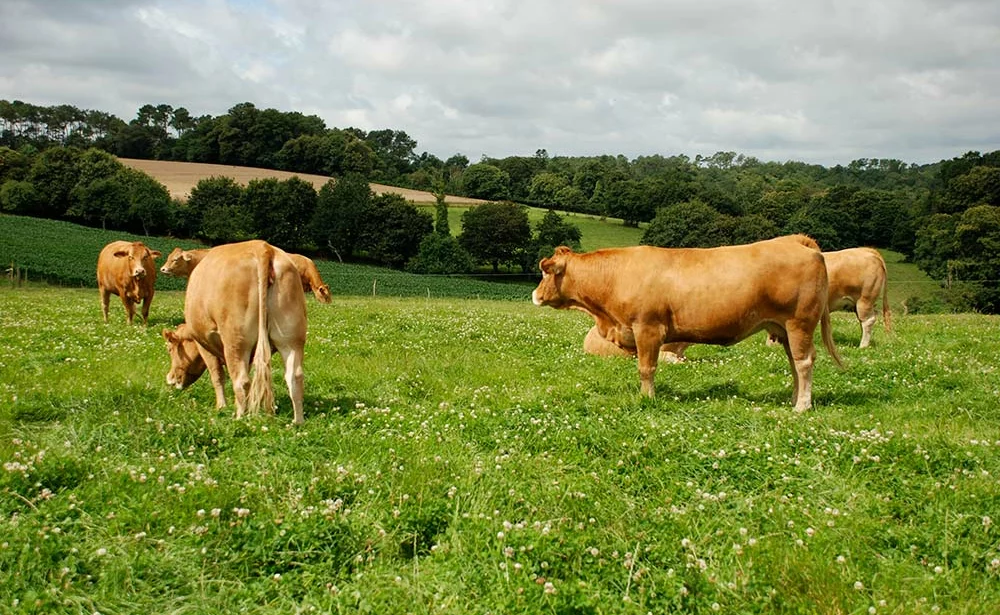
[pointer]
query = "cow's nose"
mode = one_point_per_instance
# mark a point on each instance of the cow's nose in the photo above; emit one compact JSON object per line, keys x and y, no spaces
{"x":141,"y":273}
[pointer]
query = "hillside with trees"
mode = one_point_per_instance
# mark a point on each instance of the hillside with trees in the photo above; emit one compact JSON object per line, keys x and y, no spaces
{"x":56,"y":162}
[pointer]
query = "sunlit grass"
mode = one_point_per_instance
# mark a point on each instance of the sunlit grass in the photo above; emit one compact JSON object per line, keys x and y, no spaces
{"x":466,"y":457}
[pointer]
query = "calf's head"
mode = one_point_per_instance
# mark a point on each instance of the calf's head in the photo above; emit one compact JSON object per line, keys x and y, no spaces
{"x":549,"y":290}
{"x":186,"y":364}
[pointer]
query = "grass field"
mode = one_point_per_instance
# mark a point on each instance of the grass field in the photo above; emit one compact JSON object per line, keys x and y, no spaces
{"x":466,"y":457}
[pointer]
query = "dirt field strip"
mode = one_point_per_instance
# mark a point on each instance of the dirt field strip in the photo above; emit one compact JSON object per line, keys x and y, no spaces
{"x":181,"y":177}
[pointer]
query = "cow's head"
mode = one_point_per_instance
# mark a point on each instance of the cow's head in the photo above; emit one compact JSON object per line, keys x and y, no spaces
{"x":178,"y":263}
{"x":186,"y":364}
{"x":549,"y":290}
{"x":140,"y":258}
{"x":322,"y":293}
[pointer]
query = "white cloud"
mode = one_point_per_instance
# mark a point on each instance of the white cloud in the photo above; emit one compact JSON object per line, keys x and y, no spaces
{"x":776,"y":79}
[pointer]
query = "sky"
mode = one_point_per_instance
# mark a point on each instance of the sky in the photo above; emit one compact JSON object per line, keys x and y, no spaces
{"x":823,"y":81}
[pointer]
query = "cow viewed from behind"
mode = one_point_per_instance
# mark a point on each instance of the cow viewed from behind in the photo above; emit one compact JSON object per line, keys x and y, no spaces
{"x":180,"y":263}
{"x":126,"y":269}
{"x":242,"y":300}
{"x":643,"y":297}
{"x":857,"y":278}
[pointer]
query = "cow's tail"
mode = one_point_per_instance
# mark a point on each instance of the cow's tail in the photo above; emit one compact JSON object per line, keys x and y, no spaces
{"x":886,"y":312}
{"x":261,"y":388}
{"x":826,"y":330}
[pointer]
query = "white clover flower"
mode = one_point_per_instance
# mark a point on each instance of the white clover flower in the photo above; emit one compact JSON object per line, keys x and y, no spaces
{"x":550,"y":588}
{"x":858,"y":585}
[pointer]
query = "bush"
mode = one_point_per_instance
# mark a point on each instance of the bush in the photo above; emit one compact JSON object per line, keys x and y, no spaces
{"x":440,"y":254}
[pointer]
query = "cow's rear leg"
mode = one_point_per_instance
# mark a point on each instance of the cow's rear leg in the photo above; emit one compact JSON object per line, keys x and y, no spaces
{"x":292,"y":358}
{"x":866,"y":314}
{"x":105,"y":300}
{"x":801,"y":354}
{"x":647,"y":346}
{"x":239,"y":371}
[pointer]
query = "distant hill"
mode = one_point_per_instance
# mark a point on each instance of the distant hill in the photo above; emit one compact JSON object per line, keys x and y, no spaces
{"x":181,"y":177}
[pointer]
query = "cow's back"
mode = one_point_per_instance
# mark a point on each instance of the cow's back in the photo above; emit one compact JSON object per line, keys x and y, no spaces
{"x":221,"y":298}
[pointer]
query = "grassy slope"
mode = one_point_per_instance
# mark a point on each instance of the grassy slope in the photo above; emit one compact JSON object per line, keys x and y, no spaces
{"x":466,"y":457}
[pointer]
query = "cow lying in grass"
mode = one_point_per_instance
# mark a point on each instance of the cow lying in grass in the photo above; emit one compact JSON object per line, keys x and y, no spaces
{"x":643,"y":297}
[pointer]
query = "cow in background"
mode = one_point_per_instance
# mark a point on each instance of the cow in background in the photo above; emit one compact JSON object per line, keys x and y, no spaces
{"x":126,"y":269}
{"x":643,"y":297}
{"x":857,"y":278}
{"x":242,"y":301}
{"x":311,"y":279}
{"x":180,"y":263}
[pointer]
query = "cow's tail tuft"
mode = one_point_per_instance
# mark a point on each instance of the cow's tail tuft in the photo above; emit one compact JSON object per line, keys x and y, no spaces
{"x":261,"y":388}
{"x":827,"y":332}
{"x":886,"y":312}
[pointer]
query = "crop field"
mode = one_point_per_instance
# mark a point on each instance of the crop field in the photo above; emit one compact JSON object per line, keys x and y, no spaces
{"x":180,"y":177}
{"x":63,"y":253}
{"x":464,"y":456}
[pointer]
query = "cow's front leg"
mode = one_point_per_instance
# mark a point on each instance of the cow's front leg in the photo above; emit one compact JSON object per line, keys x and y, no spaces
{"x":129,"y":308}
{"x":146,"y":302}
{"x":647,"y":346}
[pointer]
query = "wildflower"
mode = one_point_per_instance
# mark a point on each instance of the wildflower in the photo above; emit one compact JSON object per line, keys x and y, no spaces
{"x":102,"y":552}
{"x":858,"y":585}
{"x":550,"y":588}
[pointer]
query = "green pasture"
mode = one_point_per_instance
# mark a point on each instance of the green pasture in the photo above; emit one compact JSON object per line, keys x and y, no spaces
{"x":464,"y":456}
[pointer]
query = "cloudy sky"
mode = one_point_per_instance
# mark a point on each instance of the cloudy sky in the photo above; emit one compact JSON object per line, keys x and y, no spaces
{"x":825,"y":81}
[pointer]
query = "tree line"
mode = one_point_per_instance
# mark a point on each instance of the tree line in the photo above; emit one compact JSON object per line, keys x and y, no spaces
{"x":942,"y":215}
{"x":344,"y":219}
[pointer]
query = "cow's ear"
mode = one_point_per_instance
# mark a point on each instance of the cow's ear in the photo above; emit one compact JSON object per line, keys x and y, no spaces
{"x":170,"y":336}
{"x":552,"y":266}
{"x":186,"y":256}
{"x":155,"y":253}
{"x":562,"y":250}
{"x":121,"y":253}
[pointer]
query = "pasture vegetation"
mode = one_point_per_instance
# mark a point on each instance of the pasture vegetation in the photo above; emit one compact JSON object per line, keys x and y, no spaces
{"x":465,"y":456}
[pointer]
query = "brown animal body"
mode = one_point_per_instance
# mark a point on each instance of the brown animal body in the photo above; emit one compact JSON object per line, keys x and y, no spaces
{"x":595,"y":344}
{"x":242,"y":300}
{"x":857,"y":278}
{"x":181,"y":263}
{"x":126,"y":269}
{"x":311,"y":279}
{"x":643,"y":297}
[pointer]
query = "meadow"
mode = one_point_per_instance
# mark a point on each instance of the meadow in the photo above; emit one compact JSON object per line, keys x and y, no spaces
{"x":465,"y":456}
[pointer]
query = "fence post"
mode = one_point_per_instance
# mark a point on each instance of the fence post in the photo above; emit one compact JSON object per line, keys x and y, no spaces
{"x":374,"y":282}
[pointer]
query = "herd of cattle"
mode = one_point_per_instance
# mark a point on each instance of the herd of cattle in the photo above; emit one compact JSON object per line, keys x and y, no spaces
{"x":245,"y":301}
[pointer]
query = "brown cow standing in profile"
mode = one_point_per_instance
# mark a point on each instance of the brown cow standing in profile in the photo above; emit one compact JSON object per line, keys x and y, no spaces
{"x":242,"y":300}
{"x":126,"y":269}
{"x":180,"y":263}
{"x":643,"y":297}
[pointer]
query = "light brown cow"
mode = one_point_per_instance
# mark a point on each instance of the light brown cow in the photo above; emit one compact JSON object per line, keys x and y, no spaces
{"x":311,"y":279}
{"x":857,"y":278}
{"x":643,"y":297}
{"x":181,"y":263}
{"x":242,"y":300}
{"x":126,"y":269}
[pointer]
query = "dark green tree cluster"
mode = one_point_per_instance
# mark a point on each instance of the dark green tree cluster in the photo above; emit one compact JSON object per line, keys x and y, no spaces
{"x":86,"y":186}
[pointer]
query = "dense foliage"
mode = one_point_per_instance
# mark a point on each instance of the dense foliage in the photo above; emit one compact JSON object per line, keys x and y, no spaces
{"x":884,"y":203}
